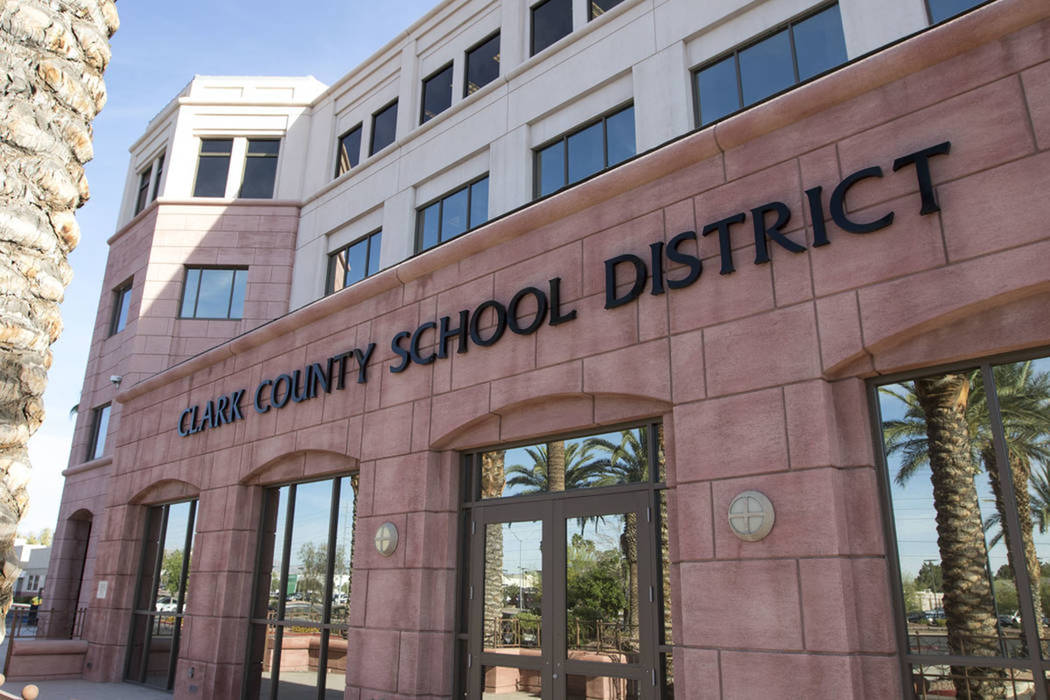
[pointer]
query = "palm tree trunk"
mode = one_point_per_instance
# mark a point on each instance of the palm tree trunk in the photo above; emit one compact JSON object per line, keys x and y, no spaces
{"x":52,"y":55}
{"x":968,"y":603}
{"x":493,"y":478}
{"x":556,"y":465}
{"x":629,"y":544}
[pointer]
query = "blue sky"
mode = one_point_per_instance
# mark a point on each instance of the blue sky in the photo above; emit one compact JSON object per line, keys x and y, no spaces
{"x":159,"y":48}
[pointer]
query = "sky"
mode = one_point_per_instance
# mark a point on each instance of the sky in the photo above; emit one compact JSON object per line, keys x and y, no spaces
{"x":158,"y":49}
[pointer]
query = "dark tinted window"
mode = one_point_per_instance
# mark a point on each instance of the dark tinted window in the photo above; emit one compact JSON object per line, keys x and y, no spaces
{"x":260,"y":168}
{"x":598,"y":7}
{"x":585,"y":151}
{"x":437,"y":94}
{"x":99,"y":428}
{"x":941,"y":10}
{"x":800,"y":51}
{"x":551,"y":20}
{"x":384,"y":128}
{"x":354,"y":262}
{"x":482,"y":65}
{"x":143,"y":193}
{"x":213,"y":166}
{"x":121,"y":304}
{"x":156,"y":178}
{"x":349,"y":151}
{"x":453,"y":214}
{"x":214,"y":293}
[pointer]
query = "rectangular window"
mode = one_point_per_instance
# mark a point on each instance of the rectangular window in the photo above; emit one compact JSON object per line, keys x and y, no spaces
{"x":156,"y":178}
{"x":803,"y":49}
{"x":121,"y":304}
{"x":551,"y":20}
{"x":453,"y":214}
{"x":968,"y":477}
{"x":99,"y":428}
{"x":260,"y":168}
{"x":349,"y":151}
{"x":600,"y":7}
{"x":142,"y":198}
{"x":213,"y":166}
{"x":437,"y":94}
{"x":482,"y":65}
{"x":212,"y":292}
{"x":941,"y":10}
{"x":354,"y":262}
{"x":384,"y":128}
{"x":585,"y":151}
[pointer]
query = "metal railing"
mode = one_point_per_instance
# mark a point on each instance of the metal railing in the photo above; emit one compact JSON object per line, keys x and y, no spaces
{"x":27,"y":622}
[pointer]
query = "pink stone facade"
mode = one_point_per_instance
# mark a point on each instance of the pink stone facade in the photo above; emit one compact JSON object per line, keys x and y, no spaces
{"x":759,"y":376}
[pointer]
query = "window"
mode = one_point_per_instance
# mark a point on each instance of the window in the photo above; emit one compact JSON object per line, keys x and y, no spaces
{"x":302,"y":591}
{"x":584,"y":152}
{"x":99,"y":428}
{"x":143,"y":193}
{"x":551,"y":20}
{"x":121,"y":304}
{"x":213,"y":292}
{"x":798,"y":52}
{"x":600,"y":7}
{"x":437,"y":94}
{"x":260,"y":168}
{"x":349,"y":151}
{"x":213,"y":165}
{"x":453,"y":214}
{"x":482,"y":65}
{"x":968,"y":475}
{"x":541,"y":532}
{"x":160,"y":595}
{"x":156,"y":178}
{"x":354,"y":262}
{"x":384,"y":128}
{"x":941,"y":10}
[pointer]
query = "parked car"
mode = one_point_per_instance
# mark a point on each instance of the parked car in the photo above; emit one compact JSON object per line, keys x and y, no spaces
{"x":166,"y":604}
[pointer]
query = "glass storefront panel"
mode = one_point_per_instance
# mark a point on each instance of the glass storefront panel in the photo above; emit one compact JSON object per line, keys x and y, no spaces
{"x":308,"y":554}
{"x":513,"y":591}
{"x":580,"y":687}
{"x":507,"y":683}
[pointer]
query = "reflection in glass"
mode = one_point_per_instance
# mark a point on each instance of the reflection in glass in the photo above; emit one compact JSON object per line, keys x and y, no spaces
{"x":941,"y":10}
{"x":551,"y":164}
{"x":308,"y":554}
{"x":599,"y":7}
{"x":766,"y":67}
{"x":384,"y":128}
{"x":580,"y":687}
{"x":716,"y":88}
{"x":551,"y":20}
{"x":349,"y":151}
{"x":213,"y":298}
{"x":819,"y":43}
{"x":213,"y":166}
{"x":513,"y":592}
{"x":454,"y":214}
{"x":505,"y":683}
{"x":620,"y":136}
{"x":482,"y":65}
{"x":437,"y":94}
{"x":430,"y":226}
{"x":260,"y":168}
{"x":479,"y":202}
{"x":586,"y":152}
{"x":601,"y":588}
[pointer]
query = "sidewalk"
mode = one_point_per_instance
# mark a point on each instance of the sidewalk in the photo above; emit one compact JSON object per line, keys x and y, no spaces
{"x":82,"y":690}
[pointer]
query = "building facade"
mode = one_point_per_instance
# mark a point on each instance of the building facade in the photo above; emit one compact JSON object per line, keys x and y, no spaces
{"x":581,"y":350}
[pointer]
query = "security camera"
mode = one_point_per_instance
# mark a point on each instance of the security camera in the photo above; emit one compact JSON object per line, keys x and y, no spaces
{"x":116,"y":379}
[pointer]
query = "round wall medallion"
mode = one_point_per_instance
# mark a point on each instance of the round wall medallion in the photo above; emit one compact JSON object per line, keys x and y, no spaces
{"x":386,"y":539}
{"x":751,"y":516}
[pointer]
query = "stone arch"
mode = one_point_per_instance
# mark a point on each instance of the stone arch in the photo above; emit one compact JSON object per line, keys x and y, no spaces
{"x":299,"y":465}
{"x":164,"y":491}
{"x":68,"y":581}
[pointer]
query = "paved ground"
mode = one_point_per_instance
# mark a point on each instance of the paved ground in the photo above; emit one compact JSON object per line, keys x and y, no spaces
{"x":82,"y":690}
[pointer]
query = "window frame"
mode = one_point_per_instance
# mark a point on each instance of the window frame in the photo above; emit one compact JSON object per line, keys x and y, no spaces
{"x":339,"y":148}
{"x":142,"y":199}
{"x":532,"y":26}
{"x":196,"y":301}
{"x":440,"y":200}
{"x":590,"y":10}
{"x":366,"y":239}
{"x":120,"y":292}
{"x":466,"y":62}
{"x":157,"y":176}
{"x":735,"y":52}
{"x":200,"y":153}
{"x":372,"y":150}
{"x":97,"y":433}
{"x":564,"y":138}
{"x":249,"y":155}
{"x":423,"y":119}
{"x":907,"y":661}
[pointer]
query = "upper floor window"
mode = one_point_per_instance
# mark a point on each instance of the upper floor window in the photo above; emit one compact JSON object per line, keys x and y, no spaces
{"x":572,"y":157}
{"x":551,"y":20}
{"x":384,"y":128}
{"x":801,"y":50}
{"x":482,"y":65}
{"x":142,"y":197}
{"x":941,"y":10}
{"x":349,"y":151}
{"x":453,"y":214}
{"x":157,"y":176}
{"x":121,"y":304}
{"x":354,"y":262}
{"x":437,"y":94}
{"x":212,"y":292}
{"x":213,"y":167}
{"x":260,"y":168}
{"x":99,"y":428}
{"x":600,"y":7}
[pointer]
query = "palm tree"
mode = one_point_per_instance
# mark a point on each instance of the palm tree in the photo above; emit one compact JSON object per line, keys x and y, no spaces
{"x":493,"y":478}
{"x":555,"y":467}
{"x":53,"y":56}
